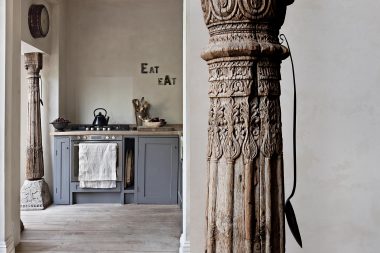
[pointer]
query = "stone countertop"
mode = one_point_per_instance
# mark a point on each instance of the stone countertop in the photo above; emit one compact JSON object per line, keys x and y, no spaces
{"x":176,"y":130}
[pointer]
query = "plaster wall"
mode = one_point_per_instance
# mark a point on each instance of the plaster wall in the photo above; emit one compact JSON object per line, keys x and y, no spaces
{"x":334,"y":46}
{"x":51,"y":75}
{"x":3,"y":171}
{"x":10,"y":35}
{"x":185,"y":236}
{"x":107,"y":40}
{"x":196,"y":121}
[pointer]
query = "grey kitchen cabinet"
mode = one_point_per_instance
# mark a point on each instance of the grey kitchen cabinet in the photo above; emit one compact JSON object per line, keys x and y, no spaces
{"x":62,"y":170}
{"x":157,"y":170}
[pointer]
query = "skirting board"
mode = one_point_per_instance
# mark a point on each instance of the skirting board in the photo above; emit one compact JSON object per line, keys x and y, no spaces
{"x":8,"y":246}
{"x":185,"y":245}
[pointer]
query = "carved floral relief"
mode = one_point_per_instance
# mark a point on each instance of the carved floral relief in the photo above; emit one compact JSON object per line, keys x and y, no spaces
{"x":244,"y":133}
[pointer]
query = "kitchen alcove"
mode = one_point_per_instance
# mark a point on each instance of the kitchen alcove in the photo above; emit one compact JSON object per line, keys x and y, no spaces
{"x":148,"y":168}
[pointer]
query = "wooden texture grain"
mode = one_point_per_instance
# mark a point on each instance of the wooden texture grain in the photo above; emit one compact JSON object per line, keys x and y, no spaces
{"x":34,"y":156}
{"x":101,"y":228}
{"x":245,"y":170}
{"x":248,"y":214}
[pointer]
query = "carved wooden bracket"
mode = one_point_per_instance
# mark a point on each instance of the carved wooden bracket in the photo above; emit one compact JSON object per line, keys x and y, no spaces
{"x":245,"y":169}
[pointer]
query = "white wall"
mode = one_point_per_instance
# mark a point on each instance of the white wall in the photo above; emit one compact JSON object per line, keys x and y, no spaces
{"x":50,"y":74}
{"x":335,"y":48}
{"x":9,"y":124}
{"x":196,"y":121}
{"x":3,"y":171}
{"x":106,"y":43}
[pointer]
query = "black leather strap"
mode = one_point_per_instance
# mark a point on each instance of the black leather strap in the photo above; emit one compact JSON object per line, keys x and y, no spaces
{"x":288,"y":208}
{"x":283,"y":38}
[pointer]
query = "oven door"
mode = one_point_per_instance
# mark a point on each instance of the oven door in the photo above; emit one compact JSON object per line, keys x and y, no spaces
{"x":75,"y":157}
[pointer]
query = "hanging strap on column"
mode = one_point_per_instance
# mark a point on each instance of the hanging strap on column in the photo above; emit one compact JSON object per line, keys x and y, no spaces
{"x":40,"y":78}
{"x":289,"y":211}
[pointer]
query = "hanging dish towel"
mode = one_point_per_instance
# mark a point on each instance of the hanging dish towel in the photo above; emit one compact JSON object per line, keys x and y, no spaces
{"x":97,"y":165}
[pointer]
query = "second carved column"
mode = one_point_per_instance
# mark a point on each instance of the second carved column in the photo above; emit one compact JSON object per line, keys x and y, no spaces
{"x":35,"y":193}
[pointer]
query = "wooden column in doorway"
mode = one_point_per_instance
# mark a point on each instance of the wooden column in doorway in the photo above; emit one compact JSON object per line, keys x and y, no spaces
{"x":34,"y":155}
{"x":34,"y":192}
{"x":245,"y":165}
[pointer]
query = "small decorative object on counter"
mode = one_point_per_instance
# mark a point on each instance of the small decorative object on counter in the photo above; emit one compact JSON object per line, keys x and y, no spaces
{"x":141,"y":110}
{"x":60,"y":123}
{"x":155,"y":122}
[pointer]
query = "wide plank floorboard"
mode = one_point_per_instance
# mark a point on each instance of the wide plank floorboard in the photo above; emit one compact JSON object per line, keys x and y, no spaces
{"x":101,"y":228}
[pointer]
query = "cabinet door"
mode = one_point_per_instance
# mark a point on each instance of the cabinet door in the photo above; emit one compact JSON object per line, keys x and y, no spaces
{"x":157,"y":170}
{"x":62,"y":170}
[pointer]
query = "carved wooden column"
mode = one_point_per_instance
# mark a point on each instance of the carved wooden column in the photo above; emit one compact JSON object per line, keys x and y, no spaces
{"x":245,"y":169}
{"x":35,"y":192}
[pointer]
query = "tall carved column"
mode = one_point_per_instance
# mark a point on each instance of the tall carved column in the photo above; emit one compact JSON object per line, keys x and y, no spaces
{"x":35,"y":191}
{"x":245,"y":165}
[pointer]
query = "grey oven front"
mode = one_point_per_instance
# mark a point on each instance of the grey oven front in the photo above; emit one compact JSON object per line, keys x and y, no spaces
{"x":95,"y":139}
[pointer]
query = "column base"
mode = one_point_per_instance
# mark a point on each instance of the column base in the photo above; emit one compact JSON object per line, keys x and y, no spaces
{"x":35,"y":195}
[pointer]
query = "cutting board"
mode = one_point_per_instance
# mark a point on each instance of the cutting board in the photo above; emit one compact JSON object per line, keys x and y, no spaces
{"x":155,"y":129}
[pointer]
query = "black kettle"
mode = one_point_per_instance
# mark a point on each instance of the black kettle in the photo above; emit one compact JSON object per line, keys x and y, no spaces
{"x":100,"y":119}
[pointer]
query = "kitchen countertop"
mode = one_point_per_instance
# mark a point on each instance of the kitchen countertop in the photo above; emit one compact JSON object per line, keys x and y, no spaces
{"x":149,"y":132}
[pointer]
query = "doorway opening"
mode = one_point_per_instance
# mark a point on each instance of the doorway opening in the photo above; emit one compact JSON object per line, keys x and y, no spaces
{"x":95,"y":59}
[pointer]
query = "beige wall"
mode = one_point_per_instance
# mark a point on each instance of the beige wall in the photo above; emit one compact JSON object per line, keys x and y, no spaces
{"x":196,"y":121}
{"x":337,"y":65}
{"x":335,"y":46}
{"x":9,"y":124}
{"x":106,"y":43}
{"x":51,"y":75}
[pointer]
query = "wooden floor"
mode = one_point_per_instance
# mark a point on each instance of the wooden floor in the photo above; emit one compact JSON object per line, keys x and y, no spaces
{"x":101,"y":228}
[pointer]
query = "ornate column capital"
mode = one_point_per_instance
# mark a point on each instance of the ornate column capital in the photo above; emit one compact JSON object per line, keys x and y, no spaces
{"x":244,"y":28}
{"x":33,"y":63}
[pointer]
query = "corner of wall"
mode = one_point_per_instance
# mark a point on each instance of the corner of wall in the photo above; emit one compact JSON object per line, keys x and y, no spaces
{"x":184,"y":245}
{"x":7,"y":246}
